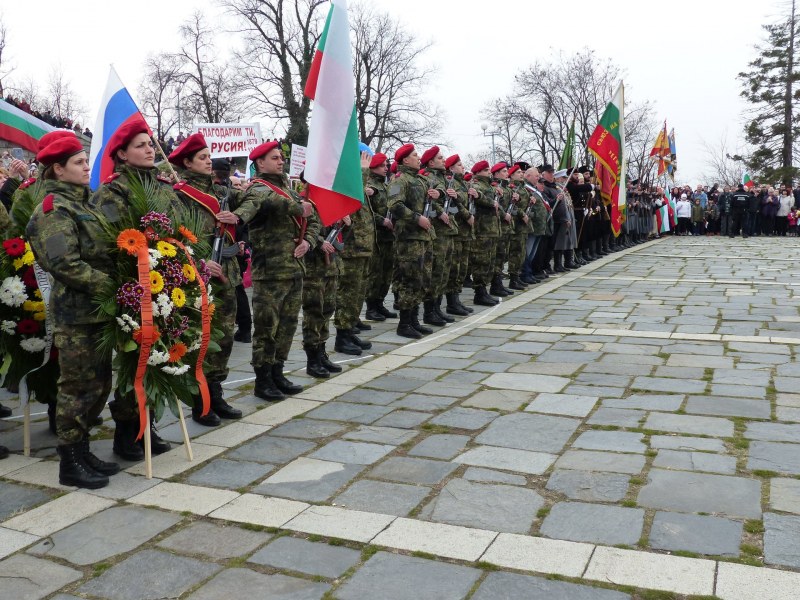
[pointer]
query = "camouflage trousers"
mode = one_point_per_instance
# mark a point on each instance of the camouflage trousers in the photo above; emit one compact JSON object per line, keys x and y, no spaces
{"x":276,"y":306}
{"x":351,"y":291}
{"x":381,"y":270}
{"x":319,"y":304}
{"x":442,"y":259}
{"x":501,"y":254}
{"x":482,"y":258}
{"x":84,"y":383}
{"x":459,"y":266}
{"x":216,"y":363}
{"x":412,"y":271}
{"x":516,"y":252}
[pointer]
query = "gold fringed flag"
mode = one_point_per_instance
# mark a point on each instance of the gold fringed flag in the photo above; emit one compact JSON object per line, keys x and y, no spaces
{"x":661,"y":152}
{"x":607,"y":144}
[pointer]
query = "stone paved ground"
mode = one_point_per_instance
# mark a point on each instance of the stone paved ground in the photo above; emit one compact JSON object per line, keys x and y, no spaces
{"x":628,"y":430}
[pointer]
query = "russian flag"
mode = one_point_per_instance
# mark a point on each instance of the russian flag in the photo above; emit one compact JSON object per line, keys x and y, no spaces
{"x":116,"y":109}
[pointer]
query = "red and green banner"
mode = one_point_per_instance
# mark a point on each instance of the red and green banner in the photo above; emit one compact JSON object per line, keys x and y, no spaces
{"x":747,"y":182}
{"x":607,"y":144}
{"x":661,"y":152}
{"x":20,"y":128}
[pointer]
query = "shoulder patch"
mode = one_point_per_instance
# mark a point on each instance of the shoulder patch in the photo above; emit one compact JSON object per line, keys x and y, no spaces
{"x":394,"y":190}
{"x":47,"y":203}
{"x":111,"y":178}
{"x":163,"y":179}
{"x":27,"y":183}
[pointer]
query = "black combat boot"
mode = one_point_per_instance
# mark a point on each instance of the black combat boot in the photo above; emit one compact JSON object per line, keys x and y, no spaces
{"x":373,"y":313}
{"x":437,"y":307}
{"x":405,"y":328}
{"x":461,"y":305}
{"x":243,"y":335}
{"x":569,"y":263}
{"x":416,"y":324}
{"x":497,"y":288}
{"x":344,"y":344}
{"x":482,"y":298}
{"x":516,"y":283}
{"x":74,"y":471}
{"x":283,"y":384}
{"x":468,"y":283}
{"x":5,"y":412}
{"x":325,"y":360}
{"x":265,"y":387}
{"x":4,"y":452}
{"x":210,"y":419}
{"x":430,"y":317}
{"x":125,"y":445}
{"x":313,"y":364}
{"x":384,"y":311}
{"x":361,"y":326}
{"x":558,"y":258}
{"x":364,"y":345}
{"x":101,"y":466}
{"x":158,"y":445}
{"x":218,"y":403}
{"x":453,"y":306}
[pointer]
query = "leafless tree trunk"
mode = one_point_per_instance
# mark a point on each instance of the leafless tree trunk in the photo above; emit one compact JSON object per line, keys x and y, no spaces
{"x":62,"y":101}
{"x":724,"y":164}
{"x":5,"y":68}
{"x":157,"y":91}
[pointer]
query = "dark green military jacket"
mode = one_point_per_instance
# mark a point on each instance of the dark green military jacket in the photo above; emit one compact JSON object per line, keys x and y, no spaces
{"x":441,"y":182}
{"x":407,"y":194}
{"x":505,"y":206}
{"x":537,"y":212}
{"x":461,"y":206}
{"x":64,"y":233}
{"x":317,"y":263}
{"x":486,"y":221}
{"x":522,"y":204}
{"x":359,"y":236}
{"x":380,"y":208}
{"x":111,"y":198}
{"x":276,"y":221}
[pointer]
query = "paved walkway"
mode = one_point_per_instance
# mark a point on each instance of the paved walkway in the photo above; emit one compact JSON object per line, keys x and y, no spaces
{"x":628,"y":427}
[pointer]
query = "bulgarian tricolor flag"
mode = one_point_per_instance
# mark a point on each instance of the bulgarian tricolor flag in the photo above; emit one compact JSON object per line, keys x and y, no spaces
{"x":746,"y":181}
{"x":607,"y":144}
{"x":20,"y":128}
{"x":333,"y":160}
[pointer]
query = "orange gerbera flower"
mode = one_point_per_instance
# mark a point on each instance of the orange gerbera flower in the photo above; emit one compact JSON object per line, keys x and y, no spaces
{"x":137,"y":335}
{"x":177,"y":352}
{"x":211,"y":308}
{"x":188,"y":234}
{"x":131,"y":241}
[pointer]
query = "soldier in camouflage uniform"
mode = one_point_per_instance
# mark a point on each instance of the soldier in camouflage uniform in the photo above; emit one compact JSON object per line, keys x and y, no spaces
{"x":464,"y":220}
{"x":283,"y":229}
{"x":505,"y":196}
{"x":201,"y":196}
{"x":487,"y":230}
{"x":516,"y":249}
{"x":64,"y":233}
{"x":414,"y":235}
{"x":134,"y":158}
{"x":381,"y":266}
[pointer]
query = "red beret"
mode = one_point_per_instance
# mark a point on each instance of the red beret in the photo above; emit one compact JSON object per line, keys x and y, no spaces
{"x":123,"y":136}
{"x":58,"y":149}
{"x":48,"y":138}
{"x":513,"y":169}
{"x":480,"y":166}
{"x":189,"y":146}
{"x":403,"y":151}
{"x":429,"y":154}
{"x":393,"y":168}
{"x":467,"y":176}
{"x":498,"y":167}
{"x":451,"y":160}
{"x":263,"y":149}
{"x":377,"y":160}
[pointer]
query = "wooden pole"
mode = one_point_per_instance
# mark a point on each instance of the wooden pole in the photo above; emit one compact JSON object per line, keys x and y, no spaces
{"x":26,"y":430}
{"x":148,"y":453}
{"x":187,"y":444}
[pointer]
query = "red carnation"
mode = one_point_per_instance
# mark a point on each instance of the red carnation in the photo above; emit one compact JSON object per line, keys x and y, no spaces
{"x":27,"y":326}
{"x":29,"y":278}
{"x":14,"y":247}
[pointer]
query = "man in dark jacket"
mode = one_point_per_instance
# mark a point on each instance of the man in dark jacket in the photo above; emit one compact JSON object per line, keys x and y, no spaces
{"x":740,"y":200}
{"x":724,"y":203}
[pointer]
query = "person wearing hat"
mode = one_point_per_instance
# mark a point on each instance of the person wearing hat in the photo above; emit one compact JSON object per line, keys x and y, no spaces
{"x":210,"y":206}
{"x":414,"y":234}
{"x":459,"y":267}
{"x":283,"y":228}
{"x":522,"y":228}
{"x":505,"y":197}
{"x":65,"y":235}
{"x":131,"y":149}
{"x":487,"y":231}
{"x":581,"y":194}
{"x":381,"y":266}
{"x":560,"y":217}
{"x":533,"y":266}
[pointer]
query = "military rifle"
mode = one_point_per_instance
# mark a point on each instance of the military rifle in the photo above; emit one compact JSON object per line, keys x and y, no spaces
{"x":219,"y":237}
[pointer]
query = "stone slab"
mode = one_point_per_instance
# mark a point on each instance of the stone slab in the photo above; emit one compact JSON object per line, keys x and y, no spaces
{"x":357,"y":453}
{"x":563,"y":404}
{"x":588,"y":460}
{"x":593,"y":487}
{"x":742,"y":582}
{"x":613,"y":441}
{"x":423,"y":403}
{"x":312,"y":558}
{"x":17,"y":498}
{"x":525,"y":431}
{"x":464,"y":418}
{"x":781,"y":533}
{"x":442,"y":446}
{"x":662,"y":402}
{"x":181,"y":497}
{"x":58,"y":514}
{"x":489,"y":476}
{"x":689,"y":424}
{"x":507,"y":459}
{"x":527,"y":382}
{"x":308,"y":429}
{"x":216,"y":541}
{"x":347,"y":411}
{"x":308,"y":479}
{"x":449,"y":541}
{"x":538,"y":554}
{"x":619,"y":417}
{"x":784,"y":494}
{"x":695,"y":533}
{"x":680,"y":442}
{"x":380,"y":435}
{"x":596,"y":523}
{"x":11,"y":541}
{"x":503,"y":586}
{"x":271,"y":449}
{"x":507,"y":400}
{"x":244,"y":583}
{"x":382,"y":497}
{"x":331,"y":521}
{"x":27,"y":578}
{"x":405,"y":419}
{"x":232,"y":474}
{"x":669,"y":384}
{"x":773,"y":432}
{"x":695,"y":461}
{"x":730,"y":407}
{"x":258,"y":510}
{"x":773,"y":456}
{"x":413,"y":470}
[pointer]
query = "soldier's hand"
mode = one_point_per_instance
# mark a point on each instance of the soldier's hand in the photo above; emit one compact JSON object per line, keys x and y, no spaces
{"x":388,"y":224}
{"x":452,"y":193}
{"x":525,"y":219}
{"x":347,"y":220}
{"x":328,"y":248}
{"x":369,"y":191}
{"x":18,"y":168}
{"x":471,"y":220}
{"x":533,"y":200}
{"x":433,"y":194}
{"x":301,"y":249}
{"x":445,"y":218}
{"x":472,"y":192}
{"x":507,"y":218}
{"x":214,"y":269}
{"x":308,"y":208}
{"x":424,"y":222}
{"x":365,"y":160}
{"x":241,"y":248}
{"x":227,"y":217}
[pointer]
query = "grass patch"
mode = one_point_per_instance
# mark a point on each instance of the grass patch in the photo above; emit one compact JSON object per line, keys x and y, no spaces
{"x":702,"y":598}
{"x":750,"y":549}
{"x":657,"y":595}
{"x":252,"y":527}
{"x":433,"y":428}
{"x":543,"y":512}
{"x":740,"y":443}
{"x":368,"y":551}
{"x":100,"y":568}
{"x":636,"y":481}
{"x":754,"y":526}
{"x":765,"y":474}
{"x":336,"y":542}
{"x":686,"y":554}
{"x":421,"y":554}
{"x":313,"y":537}
{"x":238,"y":561}
{"x":605,"y":427}
{"x":651,"y":452}
{"x":643,"y":543}
{"x":486,"y":566}
{"x":629,"y":503}
{"x":186,"y":513}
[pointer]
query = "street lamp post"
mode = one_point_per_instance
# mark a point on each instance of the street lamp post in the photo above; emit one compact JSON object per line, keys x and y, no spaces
{"x":484,"y":126}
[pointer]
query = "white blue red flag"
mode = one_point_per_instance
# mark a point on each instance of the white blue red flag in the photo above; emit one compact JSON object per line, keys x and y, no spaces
{"x":116,"y":109}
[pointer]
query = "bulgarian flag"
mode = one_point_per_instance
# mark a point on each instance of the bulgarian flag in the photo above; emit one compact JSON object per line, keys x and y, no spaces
{"x":333,"y":160}
{"x":746,"y":181}
{"x":20,"y":128}
{"x":607,"y":143}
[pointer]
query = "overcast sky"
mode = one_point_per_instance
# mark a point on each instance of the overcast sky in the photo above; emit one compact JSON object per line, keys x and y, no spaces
{"x":683,"y":55}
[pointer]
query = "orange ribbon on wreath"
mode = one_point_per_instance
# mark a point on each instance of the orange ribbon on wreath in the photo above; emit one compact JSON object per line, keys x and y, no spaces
{"x":143,"y":267}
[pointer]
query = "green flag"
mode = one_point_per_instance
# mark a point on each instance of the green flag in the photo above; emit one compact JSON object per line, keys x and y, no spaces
{"x":569,"y":149}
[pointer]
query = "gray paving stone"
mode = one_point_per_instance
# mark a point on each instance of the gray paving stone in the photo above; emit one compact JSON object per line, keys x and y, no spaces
{"x":485,"y":506}
{"x":682,"y":442}
{"x":273,"y":450}
{"x":443,"y":446}
{"x":781,"y":533}
{"x":381,"y":435}
{"x":527,"y":383}
{"x":616,"y":416}
{"x":667,"y":384}
{"x":461,"y":377}
{"x":367,"y":396}
{"x":597,"y":523}
{"x":512,"y":586}
{"x":594,"y":390}
{"x":773,"y":456}
{"x":346,"y":411}
{"x":465,"y":418}
{"x":507,"y":400}
{"x":689,"y":424}
{"x":382,"y":497}
{"x":729,"y":407}
{"x":701,"y":492}
{"x":740,"y":391}
{"x":603,"y":379}
{"x":739,"y":377}
{"x":563,"y":404}
{"x":358,"y":453}
{"x":27,"y":578}
{"x":438,"y":362}
{"x":244,"y":583}
{"x":296,"y":554}
{"x":784,"y":494}
{"x":423,"y":403}
{"x":489,"y":476}
{"x":168,"y":576}
{"x":114,"y":531}
{"x":662,"y":402}
{"x":395,"y":383}
{"x":309,"y":429}
{"x":447,"y":389}
{"x":404,"y":419}
{"x":613,"y":441}
{"x":508,"y":459}
{"x":485,"y":367}
{"x":229,"y":474}
{"x":680,"y":372}
{"x":413,"y":470}
{"x":308,"y":479}
{"x":217,"y":541}
{"x":529,"y":348}
{"x":16,"y":498}
{"x":529,"y":432}
{"x":594,"y":487}
{"x":773,"y":432}
{"x":696,"y":533}
{"x":587,"y":460}
{"x":618,"y":369}
{"x":695,"y":461}
{"x":387,"y":576}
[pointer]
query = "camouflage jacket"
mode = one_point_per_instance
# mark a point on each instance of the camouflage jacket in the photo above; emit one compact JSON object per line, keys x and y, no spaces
{"x":317,"y":263}
{"x":505,"y":206}
{"x":441,"y":182}
{"x":359,"y":237}
{"x":537,"y":213}
{"x":486,"y":221}
{"x":276,"y":221}
{"x":461,"y":204}
{"x":111,"y":198}
{"x":380,"y":207}
{"x":407,"y":198}
{"x":65,"y":235}
{"x":522,"y":204}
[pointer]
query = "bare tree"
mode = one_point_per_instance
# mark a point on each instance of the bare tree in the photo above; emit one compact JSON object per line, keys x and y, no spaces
{"x":641,"y":129}
{"x":26,"y":90}
{"x":158,"y":91}
{"x":62,"y":101}
{"x":5,"y":68}
{"x":724,"y":163}
{"x":280,"y":39}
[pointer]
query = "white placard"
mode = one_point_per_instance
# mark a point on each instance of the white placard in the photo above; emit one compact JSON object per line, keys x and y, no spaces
{"x":230,"y":139}
{"x":297,"y":163}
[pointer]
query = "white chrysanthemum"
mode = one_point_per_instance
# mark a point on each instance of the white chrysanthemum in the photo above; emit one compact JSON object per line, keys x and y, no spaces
{"x":132,"y":323}
{"x":33,"y":344}
{"x":123,"y":325}
{"x":165,"y":305}
{"x":12,"y":291}
{"x":175,"y":370}
{"x":155,"y":256}
{"x":157,"y":358}
{"x":189,"y":250}
{"x":9,"y":327}
{"x":195,"y":345}
{"x":198,"y":302}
